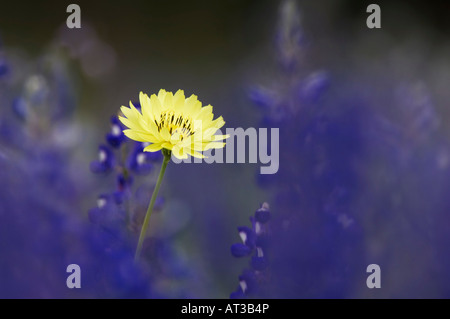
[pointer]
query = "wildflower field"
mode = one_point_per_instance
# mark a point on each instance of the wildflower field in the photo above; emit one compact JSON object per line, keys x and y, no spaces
{"x":254,"y":149}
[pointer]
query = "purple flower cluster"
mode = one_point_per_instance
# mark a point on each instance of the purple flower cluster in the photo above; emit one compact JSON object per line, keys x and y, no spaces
{"x":316,"y":236}
{"x":127,"y":160}
{"x":361,"y":180}
{"x":255,"y":242}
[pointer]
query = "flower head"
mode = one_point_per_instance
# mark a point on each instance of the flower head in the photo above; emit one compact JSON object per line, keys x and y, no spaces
{"x":173,"y":122}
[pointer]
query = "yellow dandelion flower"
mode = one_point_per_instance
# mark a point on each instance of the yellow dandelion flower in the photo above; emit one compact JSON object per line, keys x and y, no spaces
{"x":173,"y":122}
{"x":175,"y":125}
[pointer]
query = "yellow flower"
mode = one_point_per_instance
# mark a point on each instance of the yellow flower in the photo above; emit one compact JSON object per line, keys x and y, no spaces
{"x":173,"y":122}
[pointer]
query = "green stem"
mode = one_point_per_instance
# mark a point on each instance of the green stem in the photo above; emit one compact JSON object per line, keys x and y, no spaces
{"x":166,"y":160}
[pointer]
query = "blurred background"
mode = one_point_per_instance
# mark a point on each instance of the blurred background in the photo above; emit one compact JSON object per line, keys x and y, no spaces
{"x":363,"y":145}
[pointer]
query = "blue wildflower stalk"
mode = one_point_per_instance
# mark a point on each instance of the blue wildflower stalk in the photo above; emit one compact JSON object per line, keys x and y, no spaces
{"x":255,"y":244}
{"x":316,"y":184}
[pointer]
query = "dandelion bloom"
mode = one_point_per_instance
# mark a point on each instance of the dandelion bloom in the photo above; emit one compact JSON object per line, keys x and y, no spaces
{"x":173,"y":122}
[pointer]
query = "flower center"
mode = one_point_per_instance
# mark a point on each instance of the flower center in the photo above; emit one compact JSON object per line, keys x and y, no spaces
{"x":175,"y":123}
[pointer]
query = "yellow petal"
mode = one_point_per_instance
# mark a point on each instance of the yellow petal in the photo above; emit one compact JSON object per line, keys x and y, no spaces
{"x":178,"y":101}
{"x":168,"y":101}
{"x":133,"y":135}
{"x":134,"y":110}
{"x":220,"y":137}
{"x":195,"y":154}
{"x":178,"y":152}
{"x":136,"y":116}
{"x":139,"y":136}
{"x":167,"y":145}
{"x":217,"y":123}
{"x":152,"y":129}
{"x":153,"y":147}
{"x":145,"y":107}
{"x":205,"y":114}
{"x":186,"y":142}
{"x":161,"y":95}
{"x":208,"y":146}
{"x":156,"y":108}
{"x":133,"y":124}
{"x":175,"y":138}
{"x":197,"y":136}
{"x":128,"y":113}
{"x":209,"y":132}
{"x":192,"y":105}
{"x":126,"y":122}
{"x":165,"y":135}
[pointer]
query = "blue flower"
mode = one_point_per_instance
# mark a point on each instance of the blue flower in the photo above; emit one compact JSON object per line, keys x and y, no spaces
{"x":105,"y":162}
{"x":248,"y":285}
{"x":262,"y":215}
{"x":139,"y":161}
{"x":115,"y":137}
{"x":240,"y":250}
{"x":254,"y":241}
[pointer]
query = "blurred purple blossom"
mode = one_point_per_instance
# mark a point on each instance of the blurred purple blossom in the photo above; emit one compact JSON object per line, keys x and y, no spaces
{"x":361,"y":180}
{"x":254,"y":242}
